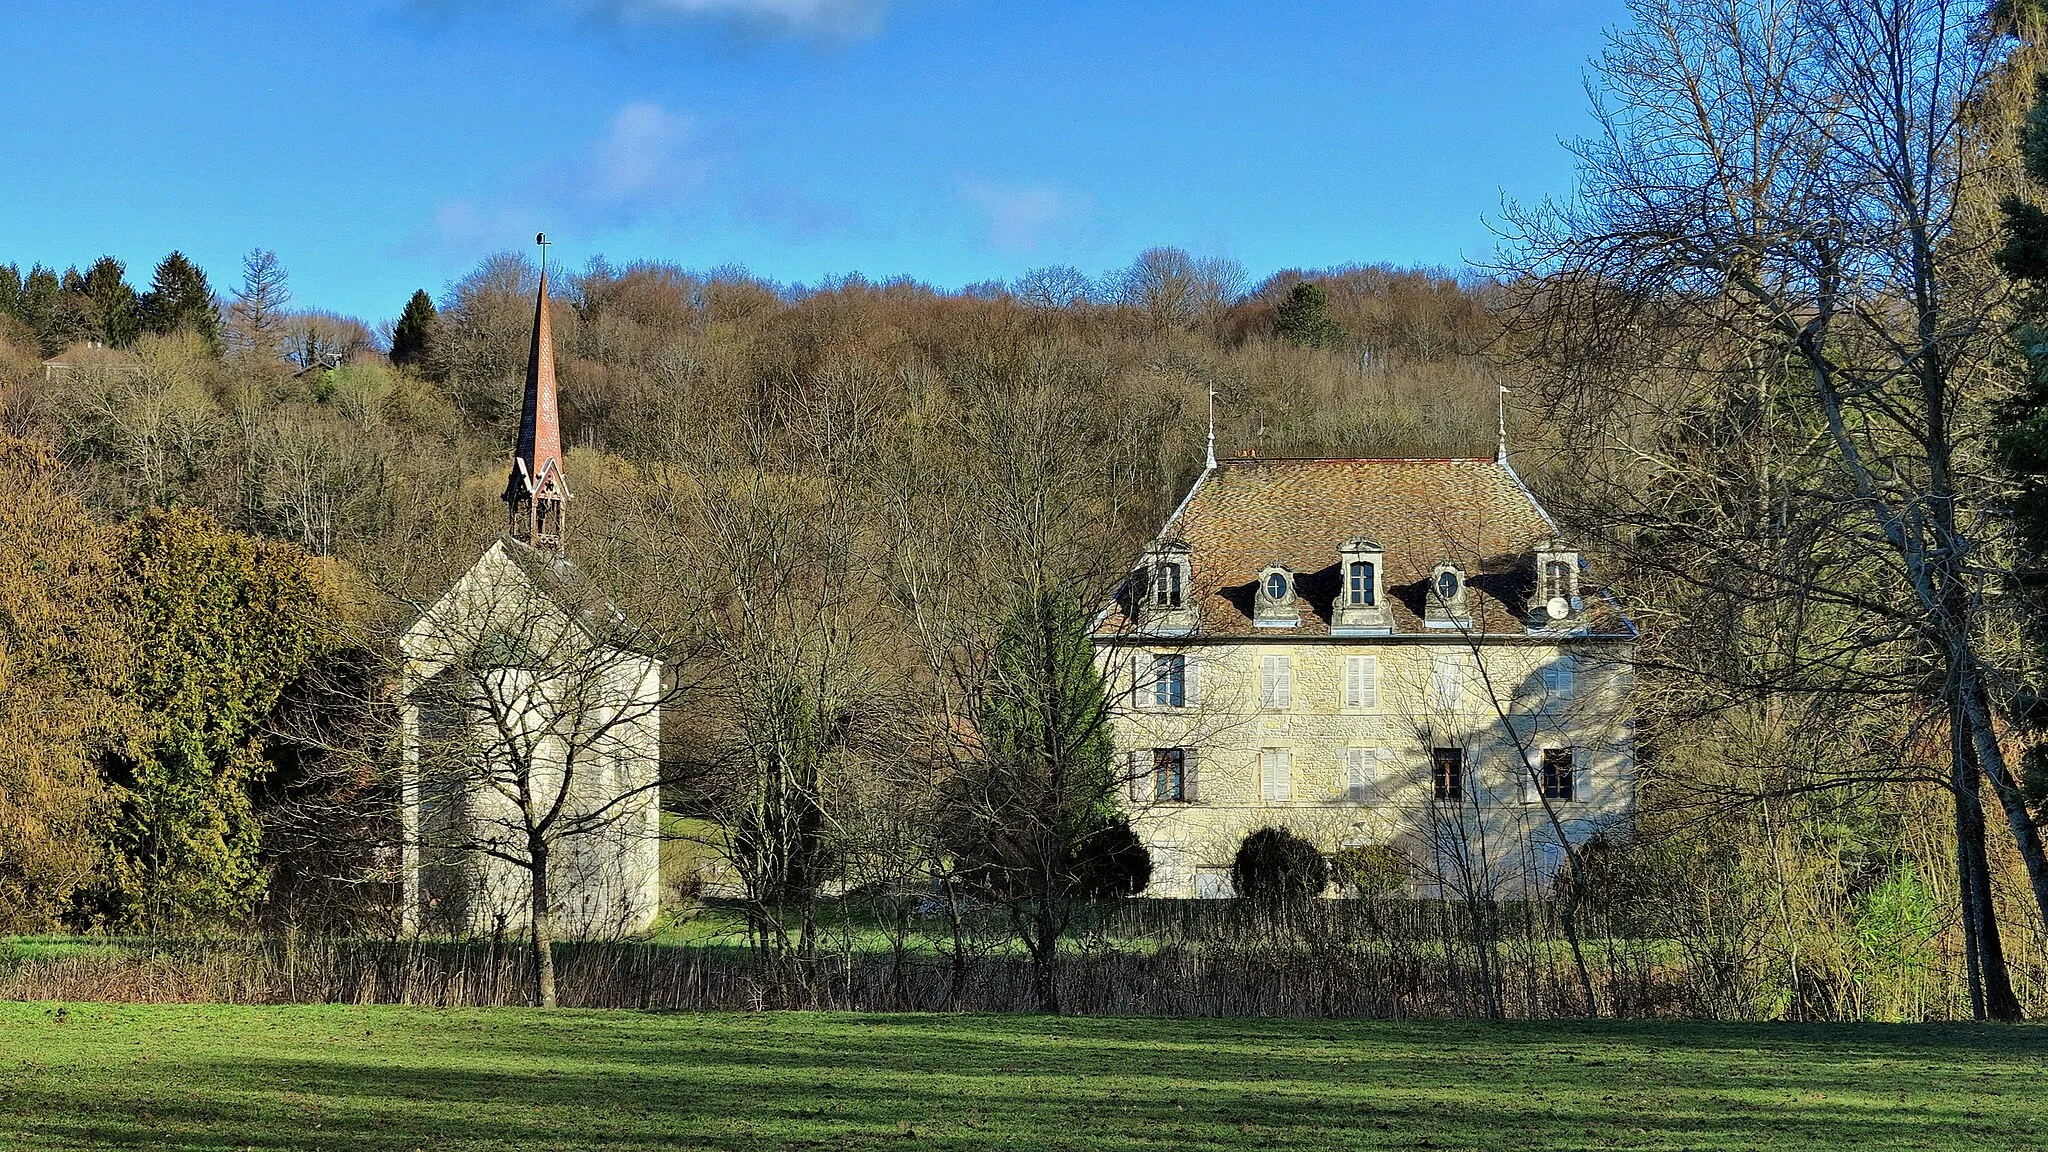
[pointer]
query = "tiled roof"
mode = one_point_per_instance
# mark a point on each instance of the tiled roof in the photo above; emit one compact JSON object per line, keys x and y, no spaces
{"x":1247,"y":514}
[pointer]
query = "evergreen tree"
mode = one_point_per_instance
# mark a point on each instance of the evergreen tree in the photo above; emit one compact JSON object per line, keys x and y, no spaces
{"x":10,"y":290}
{"x":112,"y":303}
{"x":256,"y":321}
{"x":180,"y":297}
{"x":416,"y":340}
{"x":1304,"y":318}
{"x":39,"y":307}
{"x":1037,"y":830}
{"x":222,"y":625}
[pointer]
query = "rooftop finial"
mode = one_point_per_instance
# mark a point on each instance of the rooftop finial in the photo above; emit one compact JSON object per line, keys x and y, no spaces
{"x":1501,"y":454}
{"x":1212,"y":428}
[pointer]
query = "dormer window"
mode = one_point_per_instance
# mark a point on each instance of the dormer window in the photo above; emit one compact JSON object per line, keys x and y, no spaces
{"x":1448,"y":585}
{"x":1168,"y":577}
{"x":1445,"y":605}
{"x":1555,"y":598}
{"x":1360,"y":604}
{"x":1278,"y":606}
{"x":1358,"y":585}
{"x":1164,"y":594}
{"x":1557,"y":580}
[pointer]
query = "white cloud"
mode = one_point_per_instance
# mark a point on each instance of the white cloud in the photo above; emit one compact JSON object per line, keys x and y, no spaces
{"x":647,"y":160}
{"x":1019,"y":217}
{"x":647,"y":166}
{"x":820,"y":19}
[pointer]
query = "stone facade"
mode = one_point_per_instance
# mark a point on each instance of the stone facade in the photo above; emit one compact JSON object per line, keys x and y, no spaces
{"x":1470,"y":733}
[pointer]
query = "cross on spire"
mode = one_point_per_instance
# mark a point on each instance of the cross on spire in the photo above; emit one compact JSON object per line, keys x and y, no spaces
{"x":537,"y":491}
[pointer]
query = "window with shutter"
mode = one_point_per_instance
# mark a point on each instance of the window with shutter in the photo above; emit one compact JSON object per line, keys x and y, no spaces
{"x":1276,"y":776}
{"x":1276,"y":682}
{"x":1447,"y":689}
{"x":1559,"y":681}
{"x":1357,"y":773}
{"x":1361,"y":682}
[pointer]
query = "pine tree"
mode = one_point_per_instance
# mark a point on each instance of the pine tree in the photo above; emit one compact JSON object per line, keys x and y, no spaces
{"x":256,"y":321}
{"x":113,"y":305}
{"x":180,"y":297}
{"x":416,"y":339}
{"x":39,"y":307}
{"x":1304,"y":318}
{"x":10,"y":290}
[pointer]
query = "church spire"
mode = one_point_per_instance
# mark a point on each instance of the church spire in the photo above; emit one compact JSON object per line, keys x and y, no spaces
{"x":536,"y":491}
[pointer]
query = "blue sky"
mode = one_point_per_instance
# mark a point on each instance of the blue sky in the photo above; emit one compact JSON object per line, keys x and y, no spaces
{"x":387,"y":145}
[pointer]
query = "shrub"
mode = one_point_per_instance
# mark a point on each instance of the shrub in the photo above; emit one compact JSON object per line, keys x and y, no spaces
{"x":1369,"y":870}
{"x":1275,"y":867}
{"x":1113,"y":862}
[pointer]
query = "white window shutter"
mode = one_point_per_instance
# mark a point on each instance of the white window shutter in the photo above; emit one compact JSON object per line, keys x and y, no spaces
{"x":1361,"y":682}
{"x":1528,"y":767}
{"x":1141,"y":775}
{"x":1357,"y":774}
{"x":1276,"y":776}
{"x":1192,"y":775}
{"x":1449,"y":682}
{"x":1192,"y":693}
{"x":1558,"y":679}
{"x":1268,"y":671}
{"x":1285,"y":681}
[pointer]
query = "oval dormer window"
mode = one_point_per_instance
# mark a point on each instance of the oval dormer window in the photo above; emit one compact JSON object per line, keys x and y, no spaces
{"x":1447,"y":586}
{"x":1276,"y":586}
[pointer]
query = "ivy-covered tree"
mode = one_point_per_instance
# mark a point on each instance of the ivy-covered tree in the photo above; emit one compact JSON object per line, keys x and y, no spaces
{"x":1304,"y":317}
{"x":416,"y":339}
{"x":180,"y":297}
{"x":222,"y":625}
{"x":62,"y":652}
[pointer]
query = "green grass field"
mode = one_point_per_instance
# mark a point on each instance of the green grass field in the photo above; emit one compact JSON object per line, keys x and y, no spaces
{"x":111,"y":1076}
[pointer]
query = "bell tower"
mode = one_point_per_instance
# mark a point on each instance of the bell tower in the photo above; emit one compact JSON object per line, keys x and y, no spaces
{"x":537,"y":493}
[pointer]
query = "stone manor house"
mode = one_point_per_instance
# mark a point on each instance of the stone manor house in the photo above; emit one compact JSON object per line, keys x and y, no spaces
{"x":1397,"y":652}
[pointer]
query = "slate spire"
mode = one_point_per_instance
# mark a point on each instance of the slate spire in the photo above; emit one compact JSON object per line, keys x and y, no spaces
{"x":537,"y":491}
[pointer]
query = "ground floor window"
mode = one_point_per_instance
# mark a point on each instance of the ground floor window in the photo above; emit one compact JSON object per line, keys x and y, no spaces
{"x":1447,"y":773}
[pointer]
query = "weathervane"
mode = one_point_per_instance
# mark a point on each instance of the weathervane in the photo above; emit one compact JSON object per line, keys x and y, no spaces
{"x":541,"y":238}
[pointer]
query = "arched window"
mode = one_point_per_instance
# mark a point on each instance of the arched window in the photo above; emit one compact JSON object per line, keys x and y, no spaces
{"x":1276,"y":586}
{"x":1361,"y":583}
{"x":1166,"y":586}
{"x":1447,"y":586}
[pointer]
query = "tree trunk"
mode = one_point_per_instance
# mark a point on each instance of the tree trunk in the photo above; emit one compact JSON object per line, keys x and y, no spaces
{"x":1991,"y":992}
{"x":1045,"y":984}
{"x":539,"y":933}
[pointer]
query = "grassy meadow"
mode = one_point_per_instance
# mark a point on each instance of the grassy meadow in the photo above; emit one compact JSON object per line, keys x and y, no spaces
{"x":328,"y":1077}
